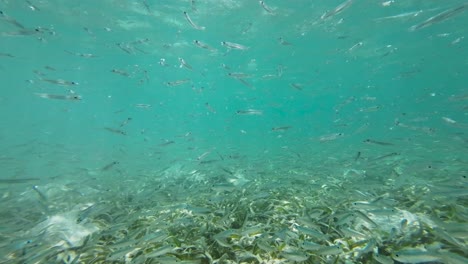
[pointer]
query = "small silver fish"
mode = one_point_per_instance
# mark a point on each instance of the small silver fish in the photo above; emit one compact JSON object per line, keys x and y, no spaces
{"x":203,"y":45}
{"x":309,"y":245}
{"x":415,"y":256}
{"x":142,"y":105}
{"x":281,"y":128}
{"x":6,"y":55}
{"x":239,"y":75}
{"x":222,"y":237}
{"x":330,"y":137}
{"x":402,"y":15}
{"x":283,"y":42}
{"x":232,"y":45}
{"x":311,"y":232}
{"x":223,"y":187}
{"x":116,"y":131}
{"x":267,"y":8}
{"x":337,"y":9}
{"x":32,"y":6}
{"x":40,"y":193}
{"x":83,"y":55}
{"x":11,"y":20}
{"x":71,"y":97}
{"x":162,"y":62}
{"x":382,"y":259}
{"x":109,"y":166}
{"x":294,"y":255}
{"x":195,"y":26}
{"x":440,"y":17}
{"x":297,"y":86}
{"x":371,"y":141}
{"x":177,"y":83}
{"x":60,"y":82}
{"x":184,"y":64}
{"x":329,"y":250}
{"x":249,"y":112}
{"x":120,"y":72}
{"x":369,"y":109}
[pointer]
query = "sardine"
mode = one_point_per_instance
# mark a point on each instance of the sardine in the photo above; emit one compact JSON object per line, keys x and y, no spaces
{"x":126,"y":121}
{"x":239,"y":75}
{"x":109,"y":166}
{"x":194,"y":5}
{"x":365,"y":218}
{"x":282,"y":128}
{"x":330,"y":137}
{"x":279,"y":70}
{"x":352,"y":233}
{"x":440,"y":17}
{"x":83,"y":55}
{"x":198,"y":210}
{"x":244,"y":82}
{"x":377,"y":142}
{"x":177,"y":83}
{"x":355,"y":46}
{"x":371,"y":244}
{"x":14,"y":181}
{"x":402,"y":15}
{"x":142,"y":105}
{"x":203,"y":45}
{"x":312,"y":232}
{"x":329,"y":250}
{"x":120,"y":72}
{"x":267,"y":8}
{"x":71,"y":97}
{"x":296,"y":86}
{"x":358,"y":155}
{"x":369,"y":109}
{"x":440,"y":233}
{"x":386,"y":156}
{"x":115,"y":131}
{"x":40,"y":193}
{"x":232,"y":45}
{"x":294,"y":255}
{"x":32,"y":6}
{"x":85,"y":213}
{"x":383,"y":212}
{"x":167,"y":143}
{"x":382,"y":259}
{"x":6,"y":55}
{"x":308,"y":245}
{"x":222,"y":237}
{"x":221,"y":188}
{"x":11,"y":20}
{"x":202,"y":156}
{"x":60,"y":82}
{"x":195,"y":26}
{"x":453,"y":258}
{"x":160,"y":251}
{"x":283,"y":42}
{"x":337,"y":9}
{"x":449,"y":120}
{"x":184,"y":64}
{"x":415,"y":256}
{"x":162,"y":62}
{"x":249,"y":112}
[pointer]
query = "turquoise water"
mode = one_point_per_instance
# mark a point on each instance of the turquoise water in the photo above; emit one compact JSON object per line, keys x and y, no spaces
{"x":335,"y":133}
